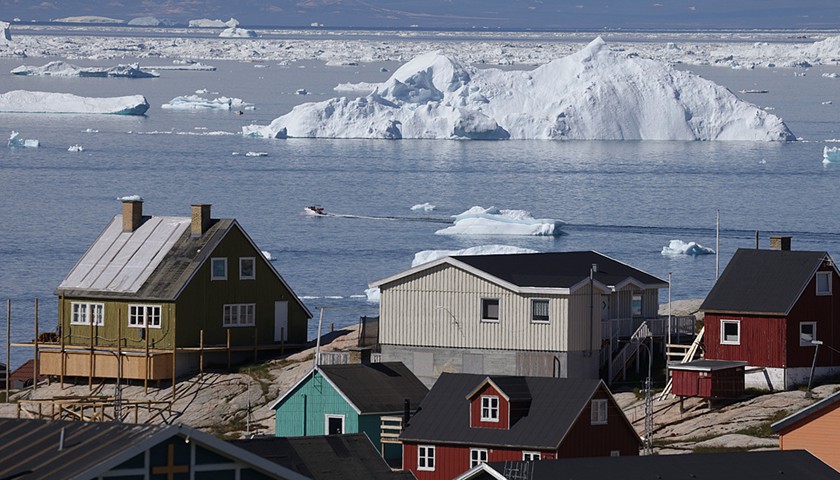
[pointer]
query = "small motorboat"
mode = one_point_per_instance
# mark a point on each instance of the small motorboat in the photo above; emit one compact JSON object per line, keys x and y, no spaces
{"x":314,"y":210}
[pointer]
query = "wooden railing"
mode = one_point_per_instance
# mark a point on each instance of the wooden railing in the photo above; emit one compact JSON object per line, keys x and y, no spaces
{"x":390,"y":429}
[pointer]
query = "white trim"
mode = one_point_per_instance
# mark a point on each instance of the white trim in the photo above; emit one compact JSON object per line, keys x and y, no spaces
{"x":240,"y":318}
{"x":531,"y":454}
{"x":433,"y":457}
{"x":306,"y":377}
{"x":145,"y":315}
{"x":479,"y":451}
{"x":548,"y":310}
{"x":597,"y":407}
{"x":498,"y":310}
{"x":327,"y":417}
{"x":723,"y":340}
{"x":213,"y":276}
{"x":809,"y":343}
{"x":490,"y":408}
{"x":253,"y":275}
{"x":615,"y":453}
{"x":817,"y":284}
{"x":89,"y":307}
{"x":482,"y":468}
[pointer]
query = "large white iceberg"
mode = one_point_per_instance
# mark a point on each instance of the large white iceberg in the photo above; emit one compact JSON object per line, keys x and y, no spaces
{"x":207,"y":23}
{"x":62,"y":69}
{"x":594,"y":94}
{"x":427,"y":256}
{"x":236,"y":32}
{"x":678,"y":247}
{"x":492,"y":221}
{"x":196,"y":102}
{"x":23,"y":101}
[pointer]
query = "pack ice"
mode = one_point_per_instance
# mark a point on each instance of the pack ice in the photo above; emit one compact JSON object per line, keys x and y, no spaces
{"x":23,"y":101}
{"x":593,"y":94}
{"x":62,"y":69}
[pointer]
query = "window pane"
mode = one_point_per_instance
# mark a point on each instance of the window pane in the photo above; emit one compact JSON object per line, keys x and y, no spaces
{"x":730,"y":331}
{"x":823,"y":282}
{"x":636,"y":305}
{"x":807,"y":333}
{"x":490,"y":309}
{"x":539,"y":310}
{"x":219,"y":266}
{"x":246,"y":268}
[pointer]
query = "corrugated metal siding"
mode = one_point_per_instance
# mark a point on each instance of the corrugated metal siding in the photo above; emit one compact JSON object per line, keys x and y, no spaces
{"x":442,"y":307}
{"x":585,"y":320}
{"x":762,"y":341}
{"x":587,"y":440}
{"x":819,"y":436}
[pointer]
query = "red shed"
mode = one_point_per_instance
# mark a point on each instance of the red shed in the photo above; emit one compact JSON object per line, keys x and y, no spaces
{"x":770,"y":309}
{"x":708,"y":379}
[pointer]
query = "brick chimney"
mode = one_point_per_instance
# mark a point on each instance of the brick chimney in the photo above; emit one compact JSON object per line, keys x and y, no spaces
{"x":132,"y":214}
{"x":780,"y":242}
{"x":200,"y":219}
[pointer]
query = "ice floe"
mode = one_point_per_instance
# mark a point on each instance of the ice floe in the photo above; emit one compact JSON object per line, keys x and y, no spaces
{"x":150,"y":22}
{"x":236,"y":32}
{"x":492,"y":221}
{"x":5,"y":32}
{"x":188,"y":65}
{"x":268,"y":256}
{"x":62,"y":69}
{"x":207,"y":23}
{"x":423,"y":207}
{"x":88,"y":19}
{"x":678,"y":247}
{"x":256,"y":154}
{"x":593,"y":94}
{"x":831,"y":154}
{"x":427,"y":256}
{"x":195,"y":102}
{"x":24,"y":101}
{"x":15,"y":140}
{"x":130,"y":198}
{"x":76,"y":148}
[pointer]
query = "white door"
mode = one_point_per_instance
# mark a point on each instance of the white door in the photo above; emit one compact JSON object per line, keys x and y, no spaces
{"x":281,"y":321}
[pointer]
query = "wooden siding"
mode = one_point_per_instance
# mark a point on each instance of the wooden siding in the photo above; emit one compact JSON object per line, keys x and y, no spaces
{"x":475,"y":409}
{"x":762,"y":340}
{"x":587,"y":440}
{"x":453,"y":460}
{"x":105,"y":365}
{"x":115,"y":318}
{"x":442,"y":307}
{"x":818,"y":433}
{"x":820,"y":309}
{"x":717,"y":384}
{"x":200,"y":305}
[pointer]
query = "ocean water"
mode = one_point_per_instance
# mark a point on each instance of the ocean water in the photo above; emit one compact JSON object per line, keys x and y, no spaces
{"x":624,"y":199}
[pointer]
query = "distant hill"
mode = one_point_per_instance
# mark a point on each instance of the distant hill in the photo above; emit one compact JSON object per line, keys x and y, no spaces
{"x":463,"y":14}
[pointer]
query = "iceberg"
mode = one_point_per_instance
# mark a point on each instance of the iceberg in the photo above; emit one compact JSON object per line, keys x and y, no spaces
{"x":423,"y":207}
{"x":16,"y":141}
{"x":427,"y":256}
{"x":62,"y":69}
{"x":207,"y":23}
{"x":23,"y":101}
{"x":76,"y":148}
{"x":678,"y":247}
{"x":150,"y":22}
{"x":196,"y":102}
{"x":236,"y":32}
{"x":492,"y":221}
{"x":831,"y":154}
{"x":593,"y":94}
{"x":5,"y":32}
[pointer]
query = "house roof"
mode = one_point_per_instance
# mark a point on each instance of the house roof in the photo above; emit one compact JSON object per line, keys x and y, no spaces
{"x":30,"y":448}
{"x":553,"y":271}
{"x":556,"y":403}
{"x":371,"y":388}
{"x":24,"y":372}
{"x":154,"y":262}
{"x":349,"y":456}
{"x":830,"y":401}
{"x":706,"y":365}
{"x":763,"y":281}
{"x":767,"y":465}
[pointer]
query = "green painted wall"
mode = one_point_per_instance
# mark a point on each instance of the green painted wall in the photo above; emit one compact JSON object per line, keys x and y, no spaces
{"x":115,"y":319}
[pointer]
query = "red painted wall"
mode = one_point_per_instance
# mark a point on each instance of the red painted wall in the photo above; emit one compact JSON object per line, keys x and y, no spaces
{"x":823,"y":309}
{"x":763,"y":340}
{"x":452,"y":460}
{"x":587,"y":440}
{"x":475,"y":410}
{"x":717,"y":384}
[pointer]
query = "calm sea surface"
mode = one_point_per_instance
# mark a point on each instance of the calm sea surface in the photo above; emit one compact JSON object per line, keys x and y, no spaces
{"x":624,"y":199}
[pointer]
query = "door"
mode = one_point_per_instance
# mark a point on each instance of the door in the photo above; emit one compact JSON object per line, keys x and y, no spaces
{"x":281,"y":321}
{"x":334,"y":424}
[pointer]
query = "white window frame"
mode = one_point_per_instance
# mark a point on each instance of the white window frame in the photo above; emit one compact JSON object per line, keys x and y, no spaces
{"x":426,"y":458}
{"x":823,"y":292}
{"x":237,"y":315}
{"x":478,"y":456}
{"x":808,"y":343}
{"x":88,"y":310}
{"x":253,"y":275}
{"x":599,"y":411}
{"x":490,"y":404}
{"x":547,"y":310}
{"x":723,"y":340}
{"x":138,"y":319}
{"x":615,"y":453}
{"x":498,"y":310}
{"x":213,"y":262}
{"x":327,"y":417}
{"x":531,"y":456}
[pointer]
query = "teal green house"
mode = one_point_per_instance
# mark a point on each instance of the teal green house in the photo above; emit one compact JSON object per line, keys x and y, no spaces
{"x":352,"y":398}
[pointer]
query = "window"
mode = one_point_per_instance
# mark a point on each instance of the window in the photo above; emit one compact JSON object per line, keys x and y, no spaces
{"x":334,"y":424}
{"x":87,"y":313}
{"x":530,"y":456}
{"x":477,"y":456}
{"x":807,"y":333}
{"x":489,"y":309}
{"x":238,"y":315}
{"x":823,"y":283}
{"x":218,"y":269}
{"x":539,"y":311}
{"x":598,"y":415}
{"x":247,"y":268}
{"x":636,"y":305}
{"x":730,"y":332}
{"x":490,"y":408}
{"x":144,"y":315}
{"x":426,"y":457}
{"x":615,"y":453}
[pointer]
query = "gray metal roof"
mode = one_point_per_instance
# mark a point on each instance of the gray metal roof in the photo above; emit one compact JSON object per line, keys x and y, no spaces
{"x":763,"y":281}
{"x":806,"y":412}
{"x":706,"y":365}
{"x":377,"y":387}
{"x":444,"y":416}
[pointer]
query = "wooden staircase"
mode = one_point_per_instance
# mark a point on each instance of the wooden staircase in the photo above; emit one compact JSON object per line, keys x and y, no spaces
{"x":688,"y":353}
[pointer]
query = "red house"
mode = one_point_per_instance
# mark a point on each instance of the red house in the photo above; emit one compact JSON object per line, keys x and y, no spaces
{"x":772,"y":309}
{"x":470,"y":419}
{"x":708,"y":379}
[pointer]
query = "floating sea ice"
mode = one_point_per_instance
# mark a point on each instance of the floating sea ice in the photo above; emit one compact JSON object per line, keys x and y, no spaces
{"x":423,"y":207}
{"x":195,"y":102}
{"x":678,"y":247}
{"x":268,"y":256}
{"x":492,"y":221}
{"x":427,"y":256}
{"x":831,"y":154}
{"x":16,"y":141}
{"x":301,"y":91}
{"x":90,"y":130}
{"x":76,"y":148}
{"x":22,"y":101}
{"x":256,"y":154}
{"x":130,"y":198}
{"x":373,"y":295}
{"x":5,"y":32}
{"x":236,"y":32}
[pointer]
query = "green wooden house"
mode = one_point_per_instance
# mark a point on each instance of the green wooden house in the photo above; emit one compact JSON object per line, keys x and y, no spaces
{"x":371,"y":398}
{"x":167,"y":295}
